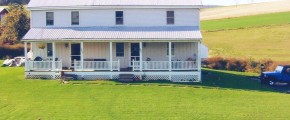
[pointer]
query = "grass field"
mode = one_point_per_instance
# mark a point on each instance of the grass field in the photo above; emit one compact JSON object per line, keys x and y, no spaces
{"x":259,"y":37}
{"x":270,"y":42}
{"x":248,"y":21}
{"x":222,"y":95}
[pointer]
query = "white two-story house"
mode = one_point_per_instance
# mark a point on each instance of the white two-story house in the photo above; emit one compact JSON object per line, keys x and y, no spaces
{"x":103,"y":39}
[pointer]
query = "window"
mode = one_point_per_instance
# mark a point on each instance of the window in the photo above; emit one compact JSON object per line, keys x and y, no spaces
{"x":49,"y":49}
{"x":170,"y":17}
{"x":287,"y":71}
{"x":172,"y":49}
{"x":119,"y":18}
{"x":120,"y":49}
{"x":75,"y":19}
{"x":49,"y":18}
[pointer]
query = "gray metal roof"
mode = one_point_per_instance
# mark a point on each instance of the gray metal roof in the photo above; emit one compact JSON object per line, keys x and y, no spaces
{"x":114,"y":33}
{"x":55,"y":3}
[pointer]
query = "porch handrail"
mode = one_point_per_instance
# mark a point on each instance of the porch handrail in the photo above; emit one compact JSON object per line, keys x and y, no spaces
{"x":155,"y":65}
{"x":184,"y":65}
{"x":44,"y":65}
{"x":96,"y":65}
{"x":164,"y":65}
{"x":135,"y":65}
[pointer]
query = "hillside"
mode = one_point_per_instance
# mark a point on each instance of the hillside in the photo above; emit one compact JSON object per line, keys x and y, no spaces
{"x":264,"y":36}
{"x":246,"y":21}
{"x":245,"y":10}
{"x":269,"y":42}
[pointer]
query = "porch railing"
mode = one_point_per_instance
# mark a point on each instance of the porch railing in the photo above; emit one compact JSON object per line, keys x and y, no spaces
{"x":155,"y":65}
{"x":96,"y":65}
{"x":184,"y":65}
{"x":43,"y":65}
{"x":164,"y":65}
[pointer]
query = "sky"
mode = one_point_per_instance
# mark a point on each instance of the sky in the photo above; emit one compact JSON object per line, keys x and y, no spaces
{"x":232,"y":2}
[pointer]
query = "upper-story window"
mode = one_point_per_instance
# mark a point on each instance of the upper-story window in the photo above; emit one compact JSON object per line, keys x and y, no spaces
{"x":119,"y":18}
{"x":75,"y":18}
{"x":49,"y":18}
{"x":170,"y":17}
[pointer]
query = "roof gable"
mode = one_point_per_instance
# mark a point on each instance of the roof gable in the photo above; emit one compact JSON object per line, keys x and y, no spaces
{"x":76,"y":3}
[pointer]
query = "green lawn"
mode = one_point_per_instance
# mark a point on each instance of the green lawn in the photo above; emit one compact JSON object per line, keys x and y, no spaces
{"x":248,"y":21}
{"x":270,"y":42}
{"x":222,"y":95}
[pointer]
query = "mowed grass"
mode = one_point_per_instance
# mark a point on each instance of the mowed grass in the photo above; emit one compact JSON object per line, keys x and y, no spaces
{"x":222,"y":95}
{"x":269,"y":42}
{"x":245,"y":22}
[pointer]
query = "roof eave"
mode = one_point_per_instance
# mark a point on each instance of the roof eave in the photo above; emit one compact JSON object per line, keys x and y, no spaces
{"x":113,"y":6}
{"x":115,"y":39}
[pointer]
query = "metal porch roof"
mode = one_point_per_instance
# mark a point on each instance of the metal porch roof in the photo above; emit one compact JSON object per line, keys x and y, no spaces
{"x":113,"y":33}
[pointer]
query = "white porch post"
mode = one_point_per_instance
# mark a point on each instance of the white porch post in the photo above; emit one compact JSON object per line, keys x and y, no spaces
{"x":53,"y":56}
{"x":111,"y":56}
{"x":82,"y":56}
{"x":141,"y":57}
{"x":170,"y":56}
{"x":25,"y":54}
{"x":199,"y":58}
{"x":31,"y":46}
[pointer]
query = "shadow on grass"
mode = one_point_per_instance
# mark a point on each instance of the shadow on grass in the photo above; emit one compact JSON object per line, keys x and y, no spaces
{"x":213,"y":79}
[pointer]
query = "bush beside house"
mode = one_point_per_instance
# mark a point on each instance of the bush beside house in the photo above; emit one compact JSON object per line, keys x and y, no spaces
{"x":241,"y":65}
{"x":10,"y":51}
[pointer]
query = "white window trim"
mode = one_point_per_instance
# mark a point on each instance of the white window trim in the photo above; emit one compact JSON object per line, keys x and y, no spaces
{"x":123,"y":51}
{"x":123,"y":18}
{"x":71,"y":18}
{"x":46,"y":18}
{"x":170,"y":17}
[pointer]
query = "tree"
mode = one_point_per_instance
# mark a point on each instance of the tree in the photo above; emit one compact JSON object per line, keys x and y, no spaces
{"x":6,"y":2}
{"x":15,"y":24}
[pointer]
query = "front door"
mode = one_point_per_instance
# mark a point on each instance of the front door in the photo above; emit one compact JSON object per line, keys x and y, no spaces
{"x":75,"y":53}
{"x":135,"y":52}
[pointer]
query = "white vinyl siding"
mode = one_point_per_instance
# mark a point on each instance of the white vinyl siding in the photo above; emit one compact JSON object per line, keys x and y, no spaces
{"x":131,"y":17}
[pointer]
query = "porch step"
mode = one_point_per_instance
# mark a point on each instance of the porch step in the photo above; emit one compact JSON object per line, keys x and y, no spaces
{"x":69,"y":77}
{"x":126,"y":77}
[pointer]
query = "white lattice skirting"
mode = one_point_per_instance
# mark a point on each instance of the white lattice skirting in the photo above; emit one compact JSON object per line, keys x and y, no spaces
{"x":43,"y":75}
{"x":143,"y":76}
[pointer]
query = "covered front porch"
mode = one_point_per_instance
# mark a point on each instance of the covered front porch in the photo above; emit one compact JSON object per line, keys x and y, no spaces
{"x":113,"y":56}
{"x":106,"y":52}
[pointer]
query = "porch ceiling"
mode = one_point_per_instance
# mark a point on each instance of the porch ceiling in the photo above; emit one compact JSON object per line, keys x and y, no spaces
{"x":113,"y":33}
